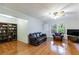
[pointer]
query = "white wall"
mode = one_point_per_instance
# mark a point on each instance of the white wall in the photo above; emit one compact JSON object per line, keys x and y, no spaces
{"x":70,"y":21}
{"x":22,"y":30}
{"x":34,"y":25}
{"x":47,"y":27}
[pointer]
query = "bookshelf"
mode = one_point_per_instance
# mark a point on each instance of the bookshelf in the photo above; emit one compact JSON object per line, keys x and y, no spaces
{"x":8,"y":32}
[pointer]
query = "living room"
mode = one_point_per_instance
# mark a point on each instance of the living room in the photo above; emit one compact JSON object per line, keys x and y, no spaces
{"x":32,"y":27}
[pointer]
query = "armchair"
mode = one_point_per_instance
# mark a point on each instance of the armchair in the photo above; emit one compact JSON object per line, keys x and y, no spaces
{"x":58,"y":35}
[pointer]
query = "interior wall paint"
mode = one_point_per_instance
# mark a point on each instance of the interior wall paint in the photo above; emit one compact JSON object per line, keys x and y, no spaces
{"x":34,"y":25}
{"x":47,"y":28}
{"x":70,"y":21}
{"x":22,"y":30}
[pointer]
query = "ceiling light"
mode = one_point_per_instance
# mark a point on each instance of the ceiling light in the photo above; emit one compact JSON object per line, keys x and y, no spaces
{"x":60,"y":13}
{"x":57,"y":14}
{"x":8,"y":16}
{"x":53,"y":16}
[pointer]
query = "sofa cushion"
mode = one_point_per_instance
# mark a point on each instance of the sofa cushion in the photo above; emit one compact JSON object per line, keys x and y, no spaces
{"x":34,"y":35}
{"x":38,"y":35}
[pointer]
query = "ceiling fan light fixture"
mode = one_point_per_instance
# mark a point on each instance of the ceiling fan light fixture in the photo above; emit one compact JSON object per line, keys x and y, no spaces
{"x":61,"y":13}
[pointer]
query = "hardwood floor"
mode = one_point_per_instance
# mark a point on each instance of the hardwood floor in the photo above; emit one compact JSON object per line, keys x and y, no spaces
{"x":47,"y":48}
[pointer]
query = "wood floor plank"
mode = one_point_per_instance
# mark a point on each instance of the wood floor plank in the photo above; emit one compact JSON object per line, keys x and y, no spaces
{"x":46,"y":48}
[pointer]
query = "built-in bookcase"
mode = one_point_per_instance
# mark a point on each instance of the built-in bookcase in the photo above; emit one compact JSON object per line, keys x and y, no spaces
{"x":8,"y":32}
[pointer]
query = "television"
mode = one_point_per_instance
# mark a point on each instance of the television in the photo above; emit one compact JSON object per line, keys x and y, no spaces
{"x":74,"y":32}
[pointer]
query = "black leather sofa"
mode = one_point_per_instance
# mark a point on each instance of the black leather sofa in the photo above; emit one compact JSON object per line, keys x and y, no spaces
{"x":36,"y":38}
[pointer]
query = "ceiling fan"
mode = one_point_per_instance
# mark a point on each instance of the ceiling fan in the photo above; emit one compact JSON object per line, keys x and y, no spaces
{"x":60,"y":13}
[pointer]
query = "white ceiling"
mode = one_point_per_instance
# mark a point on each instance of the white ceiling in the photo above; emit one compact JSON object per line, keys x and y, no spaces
{"x":38,"y":10}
